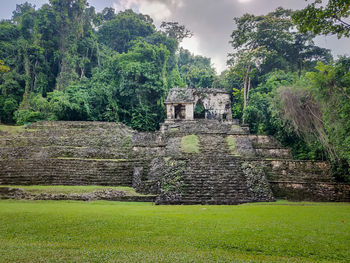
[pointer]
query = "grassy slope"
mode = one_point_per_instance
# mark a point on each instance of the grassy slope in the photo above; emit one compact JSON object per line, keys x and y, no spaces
{"x":232,"y":144}
{"x":141,"y":232}
{"x":190,"y":144}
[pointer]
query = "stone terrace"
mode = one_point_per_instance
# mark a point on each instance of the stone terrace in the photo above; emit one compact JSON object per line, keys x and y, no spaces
{"x":232,"y":166}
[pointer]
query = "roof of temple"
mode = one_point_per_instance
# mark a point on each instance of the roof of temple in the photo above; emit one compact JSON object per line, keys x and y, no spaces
{"x":176,"y":95}
{"x":183,"y":95}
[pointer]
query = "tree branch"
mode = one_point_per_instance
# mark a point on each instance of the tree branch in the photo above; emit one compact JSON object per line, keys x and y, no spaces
{"x":344,"y":23}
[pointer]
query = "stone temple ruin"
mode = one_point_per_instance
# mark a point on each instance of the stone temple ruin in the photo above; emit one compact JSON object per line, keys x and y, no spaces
{"x":224,"y":165}
{"x":181,"y":104}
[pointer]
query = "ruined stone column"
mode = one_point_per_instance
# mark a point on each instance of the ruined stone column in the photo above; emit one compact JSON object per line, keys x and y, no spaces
{"x":190,"y":112}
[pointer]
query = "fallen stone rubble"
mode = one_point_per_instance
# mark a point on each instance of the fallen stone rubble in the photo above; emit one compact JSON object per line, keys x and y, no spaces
{"x":106,"y":194}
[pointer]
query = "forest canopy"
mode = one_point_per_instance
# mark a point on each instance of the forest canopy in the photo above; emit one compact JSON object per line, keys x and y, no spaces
{"x":65,"y":61}
{"x":286,"y":86}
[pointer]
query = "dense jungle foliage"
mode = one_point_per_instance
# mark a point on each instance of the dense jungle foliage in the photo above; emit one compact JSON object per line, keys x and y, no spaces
{"x":284,"y":85}
{"x":65,"y":61}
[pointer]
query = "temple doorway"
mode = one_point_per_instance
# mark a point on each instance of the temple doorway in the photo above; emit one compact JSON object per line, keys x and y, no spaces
{"x":199,"y":110}
{"x":180,"y":112}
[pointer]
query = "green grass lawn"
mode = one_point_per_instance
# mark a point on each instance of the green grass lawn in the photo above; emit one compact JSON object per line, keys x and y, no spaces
{"x":61,"y":231}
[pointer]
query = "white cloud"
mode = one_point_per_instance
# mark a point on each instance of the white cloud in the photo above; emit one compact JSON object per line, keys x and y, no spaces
{"x":178,"y":3}
{"x":219,"y":62}
{"x":121,"y":5}
{"x":159,"y":10}
{"x":192,"y":44}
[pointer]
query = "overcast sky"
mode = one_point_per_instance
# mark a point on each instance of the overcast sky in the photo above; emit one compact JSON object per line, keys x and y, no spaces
{"x":211,"y":21}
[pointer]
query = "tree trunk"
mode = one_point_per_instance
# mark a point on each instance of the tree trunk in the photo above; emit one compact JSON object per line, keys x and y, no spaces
{"x":246,"y":87}
{"x":25,"y":101}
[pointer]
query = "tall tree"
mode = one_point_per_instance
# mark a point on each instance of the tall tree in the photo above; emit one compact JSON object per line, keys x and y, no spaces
{"x":125,"y":27}
{"x":24,"y":16}
{"x":46,"y":37}
{"x":196,"y":71}
{"x":265,"y":43}
{"x":245,"y":63}
{"x":142,"y":85}
{"x":325,"y":19}
{"x":288,"y":50}
{"x":70,"y":28}
{"x":176,"y":31}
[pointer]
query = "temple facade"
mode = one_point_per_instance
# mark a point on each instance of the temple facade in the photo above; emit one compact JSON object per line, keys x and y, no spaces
{"x":204,"y":103}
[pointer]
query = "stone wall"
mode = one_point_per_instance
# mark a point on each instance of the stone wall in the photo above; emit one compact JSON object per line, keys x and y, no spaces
{"x":316,"y":191}
{"x":303,"y":181}
{"x":202,"y":126}
{"x":67,"y":172}
{"x":216,"y":102}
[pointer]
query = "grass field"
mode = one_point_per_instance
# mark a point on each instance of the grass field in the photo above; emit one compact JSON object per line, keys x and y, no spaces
{"x":51,"y":231}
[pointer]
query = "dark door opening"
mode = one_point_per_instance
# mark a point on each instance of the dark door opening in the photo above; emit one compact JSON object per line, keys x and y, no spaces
{"x":180,"y":111}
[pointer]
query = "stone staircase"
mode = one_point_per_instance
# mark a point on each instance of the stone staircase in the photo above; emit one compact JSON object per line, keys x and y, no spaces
{"x":215,"y":175}
{"x":213,"y":143}
{"x":220,"y":179}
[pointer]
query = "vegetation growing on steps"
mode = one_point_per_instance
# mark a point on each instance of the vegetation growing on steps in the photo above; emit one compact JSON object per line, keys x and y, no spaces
{"x":11,"y":129}
{"x":174,"y":130}
{"x":190,"y":144}
{"x":91,"y":159}
{"x":231,"y":144}
{"x":171,"y":185}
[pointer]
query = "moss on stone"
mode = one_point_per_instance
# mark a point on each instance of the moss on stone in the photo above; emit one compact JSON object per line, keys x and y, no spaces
{"x":190,"y":144}
{"x":91,"y":159}
{"x":32,"y":130}
{"x":13,"y":130}
{"x":232,"y":145}
{"x":127,"y":142}
{"x":166,"y":159}
{"x":236,"y":127}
